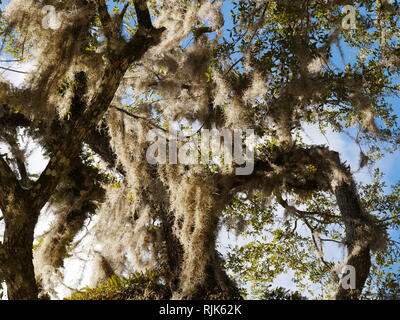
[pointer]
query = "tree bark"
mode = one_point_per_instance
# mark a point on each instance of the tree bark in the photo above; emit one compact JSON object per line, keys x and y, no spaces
{"x":360,"y":229}
{"x":17,"y":264}
{"x":21,"y":208}
{"x":356,"y":224}
{"x":218,"y":285}
{"x":174,"y":251}
{"x":362,"y":232}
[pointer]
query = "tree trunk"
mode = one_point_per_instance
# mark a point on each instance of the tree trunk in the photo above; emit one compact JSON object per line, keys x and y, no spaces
{"x":218,"y":285}
{"x":361,"y":231}
{"x":174,"y":251}
{"x":356,"y":226}
{"x":17,"y":268}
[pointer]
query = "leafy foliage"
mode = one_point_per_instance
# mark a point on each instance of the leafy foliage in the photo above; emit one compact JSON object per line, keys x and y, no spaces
{"x":114,"y":70}
{"x":282,"y":294}
{"x":139,"y":286}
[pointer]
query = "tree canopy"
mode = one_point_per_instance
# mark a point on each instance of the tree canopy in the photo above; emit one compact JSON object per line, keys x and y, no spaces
{"x":104,"y":78}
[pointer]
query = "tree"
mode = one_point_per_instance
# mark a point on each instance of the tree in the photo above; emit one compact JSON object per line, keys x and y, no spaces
{"x":109,"y":74}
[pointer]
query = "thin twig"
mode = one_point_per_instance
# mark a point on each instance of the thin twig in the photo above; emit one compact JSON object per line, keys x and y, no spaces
{"x":140,"y":118}
{"x":8,"y":69}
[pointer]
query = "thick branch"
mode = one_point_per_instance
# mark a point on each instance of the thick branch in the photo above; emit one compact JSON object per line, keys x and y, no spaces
{"x":59,"y":164}
{"x":9,"y":119}
{"x":358,"y":238}
{"x":105,"y":19}
{"x":362,"y":231}
{"x":143,"y":14}
{"x":2,"y":254}
{"x":6,"y":174}
{"x":120,"y":18}
{"x":11,"y":139}
{"x":198,"y":32}
{"x":99,"y":142}
{"x":8,"y":183}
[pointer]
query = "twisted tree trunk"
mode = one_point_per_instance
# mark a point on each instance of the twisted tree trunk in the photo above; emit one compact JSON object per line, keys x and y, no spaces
{"x":362,"y":232}
{"x":17,"y":264}
{"x":357,"y":238}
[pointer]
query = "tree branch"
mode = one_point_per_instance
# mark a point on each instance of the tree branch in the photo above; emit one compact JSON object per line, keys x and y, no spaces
{"x":105,"y":19}
{"x":143,"y":14}
{"x":2,"y":253}
{"x":11,"y":119}
{"x":201,"y":30}
{"x":98,"y":140}
{"x":147,"y":121}
{"x":11,"y":139}
{"x":8,"y":182}
{"x":363,"y":232}
{"x":120,"y":18}
{"x":59,"y":164}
